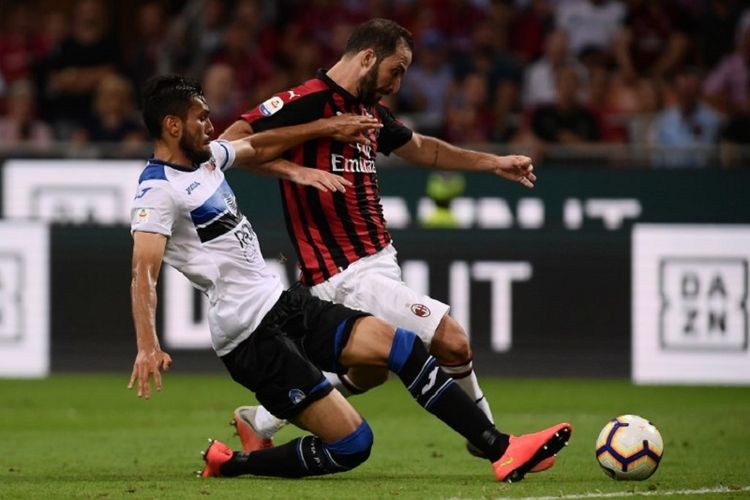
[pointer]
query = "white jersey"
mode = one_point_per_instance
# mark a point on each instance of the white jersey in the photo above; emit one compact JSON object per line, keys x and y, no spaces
{"x":210,"y":242}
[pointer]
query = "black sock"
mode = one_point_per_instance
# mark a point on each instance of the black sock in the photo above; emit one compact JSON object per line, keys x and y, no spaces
{"x":441,"y":396}
{"x":281,"y":461}
{"x":305,"y":456}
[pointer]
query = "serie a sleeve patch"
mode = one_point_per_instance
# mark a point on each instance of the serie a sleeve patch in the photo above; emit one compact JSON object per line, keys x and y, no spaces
{"x":271,"y":106}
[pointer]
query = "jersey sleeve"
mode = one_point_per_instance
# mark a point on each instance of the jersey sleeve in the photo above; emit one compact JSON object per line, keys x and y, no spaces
{"x":286,"y":109}
{"x":394,"y":133}
{"x":154,"y":208}
{"x":223,"y":153}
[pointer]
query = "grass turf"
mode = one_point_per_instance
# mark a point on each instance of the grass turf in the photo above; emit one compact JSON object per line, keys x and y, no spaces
{"x":86,"y":436}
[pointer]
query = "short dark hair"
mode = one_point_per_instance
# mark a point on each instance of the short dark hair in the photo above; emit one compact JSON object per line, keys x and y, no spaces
{"x":167,"y":95}
{"x":380,"y":35}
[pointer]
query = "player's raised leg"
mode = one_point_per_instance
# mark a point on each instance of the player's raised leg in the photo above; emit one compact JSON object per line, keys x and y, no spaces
{"x":374,"y":341}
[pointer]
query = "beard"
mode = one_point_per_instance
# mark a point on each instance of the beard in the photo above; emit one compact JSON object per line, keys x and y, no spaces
{"x":197,"y":156}
{"x":368,"y":86}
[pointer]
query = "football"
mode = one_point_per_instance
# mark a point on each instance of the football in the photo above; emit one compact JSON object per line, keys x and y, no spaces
{"x":629,"y":447}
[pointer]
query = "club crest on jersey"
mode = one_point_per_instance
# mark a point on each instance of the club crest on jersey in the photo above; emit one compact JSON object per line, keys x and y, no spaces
{"x":420,"y":310}
{"x":296,"y":396}
{"x":271,"y":106}
{"x":211,"y":165}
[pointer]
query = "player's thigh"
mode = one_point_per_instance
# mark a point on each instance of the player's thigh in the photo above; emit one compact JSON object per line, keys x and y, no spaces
{"x":369,"y":343}
{"x":392,"y":300}
{"x":324,"y":330}
{"x":283,"y":379}
{"x":331,"y":418}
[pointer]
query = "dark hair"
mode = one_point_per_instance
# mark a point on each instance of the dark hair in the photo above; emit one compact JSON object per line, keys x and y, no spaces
{"x":167,"y":95}
{"x":380,"y":35}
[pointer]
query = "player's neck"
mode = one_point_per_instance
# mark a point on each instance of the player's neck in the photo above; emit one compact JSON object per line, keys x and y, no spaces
{"x":346,"y":76}
{"x":174,"y":155}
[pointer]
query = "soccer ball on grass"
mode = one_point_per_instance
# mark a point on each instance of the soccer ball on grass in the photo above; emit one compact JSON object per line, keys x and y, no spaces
{"x":629,"y":447}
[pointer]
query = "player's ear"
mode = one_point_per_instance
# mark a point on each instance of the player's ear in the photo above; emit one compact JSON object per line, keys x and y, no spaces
{"x":368,"y":59}
{"x":172,"y":125}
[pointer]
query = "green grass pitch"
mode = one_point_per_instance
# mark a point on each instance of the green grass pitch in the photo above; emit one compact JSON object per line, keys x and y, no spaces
{"x":86,"y":436}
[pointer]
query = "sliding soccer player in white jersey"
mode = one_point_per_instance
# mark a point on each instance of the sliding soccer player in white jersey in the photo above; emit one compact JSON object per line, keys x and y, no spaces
{"x":276,"y":342}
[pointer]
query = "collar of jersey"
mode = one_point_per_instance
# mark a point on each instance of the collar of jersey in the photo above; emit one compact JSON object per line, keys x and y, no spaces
{"x":175,"y":166}
{"x":335,"y":86}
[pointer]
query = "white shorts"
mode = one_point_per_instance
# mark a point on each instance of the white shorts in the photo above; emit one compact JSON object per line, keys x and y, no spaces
{"x":373,"y":284}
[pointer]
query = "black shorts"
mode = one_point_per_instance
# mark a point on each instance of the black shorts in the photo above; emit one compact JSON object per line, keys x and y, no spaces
{"x":281,"y":361}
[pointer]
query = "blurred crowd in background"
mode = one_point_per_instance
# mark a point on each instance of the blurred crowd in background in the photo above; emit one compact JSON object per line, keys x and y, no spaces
{"x":528,"y":74}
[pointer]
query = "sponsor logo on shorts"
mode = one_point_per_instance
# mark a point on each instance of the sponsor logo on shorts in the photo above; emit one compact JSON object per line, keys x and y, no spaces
{"x":296,"y":396}
{"x":420,"y":310}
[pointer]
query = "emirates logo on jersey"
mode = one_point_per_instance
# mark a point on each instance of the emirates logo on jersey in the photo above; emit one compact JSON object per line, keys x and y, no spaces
{"x":420,"y":310}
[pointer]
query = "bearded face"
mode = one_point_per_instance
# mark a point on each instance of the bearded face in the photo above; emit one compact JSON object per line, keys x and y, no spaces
{"x":368,"y":86}
{"x":194,"y":147}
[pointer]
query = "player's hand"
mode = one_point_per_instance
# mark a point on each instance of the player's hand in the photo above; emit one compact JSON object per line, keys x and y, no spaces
{"x":147,"y":363}
{"x":348,"y":127}
{"x":515,"y":168}
{"x":320,"y":179}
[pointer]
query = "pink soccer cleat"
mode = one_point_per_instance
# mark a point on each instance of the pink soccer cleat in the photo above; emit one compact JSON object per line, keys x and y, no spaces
{"x":244,"y":422}
{"x":216,"y":455}
{"x":531,"y":452}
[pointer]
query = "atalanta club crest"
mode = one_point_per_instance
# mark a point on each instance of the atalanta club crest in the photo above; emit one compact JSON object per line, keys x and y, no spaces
{"x":296,"y":396}
{"x":420,"y":310}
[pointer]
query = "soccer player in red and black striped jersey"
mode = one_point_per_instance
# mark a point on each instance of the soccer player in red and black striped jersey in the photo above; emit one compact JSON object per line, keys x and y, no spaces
{"x":341,"y":239}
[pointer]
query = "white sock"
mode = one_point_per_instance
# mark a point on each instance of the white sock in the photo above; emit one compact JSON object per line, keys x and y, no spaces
{"x":467,"y":380}
{"x":266,"y":424}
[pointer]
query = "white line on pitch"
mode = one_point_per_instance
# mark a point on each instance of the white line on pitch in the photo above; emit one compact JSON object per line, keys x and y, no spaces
{"x":700,"y":491}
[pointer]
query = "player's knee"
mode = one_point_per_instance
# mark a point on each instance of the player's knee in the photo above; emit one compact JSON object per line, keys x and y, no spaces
{"x":365,"y":378}
{"x":450,"y":345}
{"x":352,"y":450}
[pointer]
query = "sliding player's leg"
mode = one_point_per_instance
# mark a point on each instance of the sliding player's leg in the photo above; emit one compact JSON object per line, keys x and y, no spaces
{"x":375,"y":284}
{"x":271,"y":364}
{"x":341,"y":441}
{"x":346,"y":338}
{"x":373,"y":341}
{"x":256,"y":426}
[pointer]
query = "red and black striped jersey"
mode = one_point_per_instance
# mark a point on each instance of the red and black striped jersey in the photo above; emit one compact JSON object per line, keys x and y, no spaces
{"x":331,"y":230}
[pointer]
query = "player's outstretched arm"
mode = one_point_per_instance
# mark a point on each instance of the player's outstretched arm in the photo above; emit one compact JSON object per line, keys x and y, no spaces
{"x":304,"y":176}
{"x":148,"y":253}
{"x":254,"y":149}
{"x":431,"y":152}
